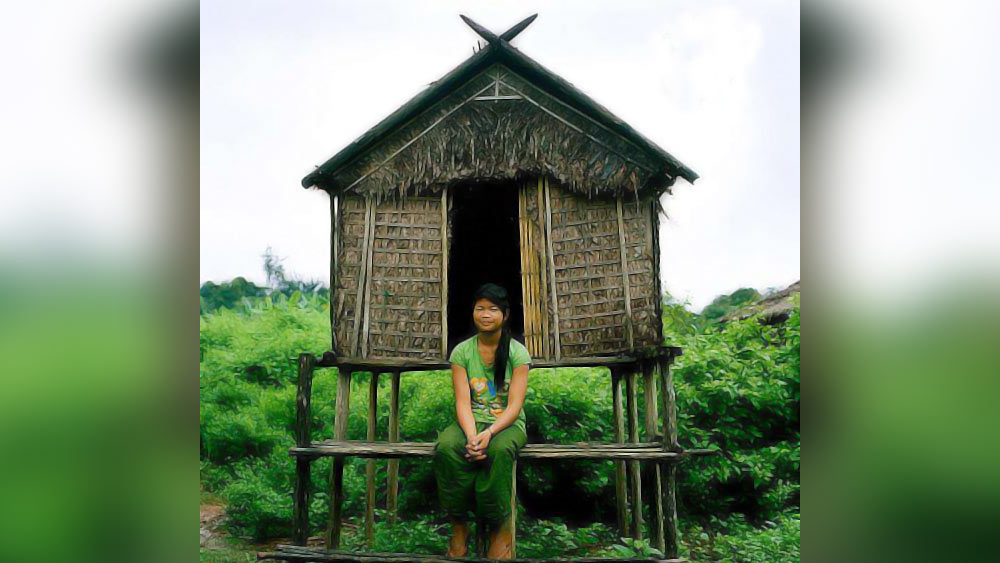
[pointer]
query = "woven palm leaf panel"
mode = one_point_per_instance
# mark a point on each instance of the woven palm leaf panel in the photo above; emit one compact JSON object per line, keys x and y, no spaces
{"x":404,"y":315}
{"x":639,"y":250}
{"x":351,"y":257}
{"x":588,"y":272}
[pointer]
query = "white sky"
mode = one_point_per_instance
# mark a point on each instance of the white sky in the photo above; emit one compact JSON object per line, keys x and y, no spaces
{"x":285,"y":85}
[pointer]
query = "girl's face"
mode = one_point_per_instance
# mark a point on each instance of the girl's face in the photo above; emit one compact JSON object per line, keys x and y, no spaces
{"x":487,"y":316}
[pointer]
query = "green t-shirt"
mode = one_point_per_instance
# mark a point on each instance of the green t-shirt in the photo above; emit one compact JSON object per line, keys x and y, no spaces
{"x":487,"y":404}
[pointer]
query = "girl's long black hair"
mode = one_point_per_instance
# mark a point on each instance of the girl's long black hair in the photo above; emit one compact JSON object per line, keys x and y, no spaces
{"x":498,"y":296}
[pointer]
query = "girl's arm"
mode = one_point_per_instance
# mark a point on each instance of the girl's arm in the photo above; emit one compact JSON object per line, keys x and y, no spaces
{"x":463,"y":401}
{"x":515,"y":399}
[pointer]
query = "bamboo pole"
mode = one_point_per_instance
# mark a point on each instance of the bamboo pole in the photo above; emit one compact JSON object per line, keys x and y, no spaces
{"x":303,"y":473}
{"x":633,"y":466}
{"x":543,"y":280}
{"x":621,"y":493}
{"x":359,"y":297}
{"x":393,"y":466}
{"x":652,"y":420}
{"x":334,"y":265}
{"x":552,"y":267}
{"x":669,"y":444}
{"x":337,"y":467}
{"x":370,"y":464}
{"x":625,"y":277}
{"x":368,"y":277}
{"x":525,"y":273}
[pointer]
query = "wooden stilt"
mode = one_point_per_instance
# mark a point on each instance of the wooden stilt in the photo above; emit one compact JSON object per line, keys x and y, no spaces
{"x":655,"y":488}
{"x":393,"y":465}
{"x":337,"y":467}
{"x":670,"y":469}
{"x":621,"y":493}
{"x":633,"y":466}
{"x":303,"y":474}
{"x":370,"y":464}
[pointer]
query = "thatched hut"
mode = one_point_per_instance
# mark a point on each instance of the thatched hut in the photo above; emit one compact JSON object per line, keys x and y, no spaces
{"x":500,"y":171}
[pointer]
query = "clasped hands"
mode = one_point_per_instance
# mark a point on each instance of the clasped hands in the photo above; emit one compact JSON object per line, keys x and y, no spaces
{"x":475,"y":448}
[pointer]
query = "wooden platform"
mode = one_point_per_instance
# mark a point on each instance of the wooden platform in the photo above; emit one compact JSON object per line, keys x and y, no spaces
{"x":580,"y":450}
{"x":297,"y":553}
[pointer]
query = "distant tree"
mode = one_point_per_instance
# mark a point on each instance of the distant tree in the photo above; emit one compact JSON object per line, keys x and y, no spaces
{"x":723,"y":304}
{"x":228,"y":294}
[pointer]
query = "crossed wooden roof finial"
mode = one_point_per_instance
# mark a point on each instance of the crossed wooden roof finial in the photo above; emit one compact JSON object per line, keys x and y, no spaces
{"x":491,"y":37}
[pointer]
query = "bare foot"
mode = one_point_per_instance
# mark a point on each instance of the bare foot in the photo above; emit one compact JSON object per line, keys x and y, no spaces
{"x":501,"y":542}
{"x":458,"y":545}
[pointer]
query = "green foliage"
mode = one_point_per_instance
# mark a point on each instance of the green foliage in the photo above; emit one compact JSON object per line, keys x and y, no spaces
{"x":734,"y":539}
{"x":724,"y":304}
{"x":737,"y":387}
{"x":738,"y":391}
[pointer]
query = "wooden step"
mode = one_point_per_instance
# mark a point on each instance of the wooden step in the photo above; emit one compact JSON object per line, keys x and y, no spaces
{"x":579,"y":450}
{"x":297,"y":553}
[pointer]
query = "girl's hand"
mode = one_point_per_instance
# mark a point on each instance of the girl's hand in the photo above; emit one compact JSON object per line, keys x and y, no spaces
{"x":476,"y":448}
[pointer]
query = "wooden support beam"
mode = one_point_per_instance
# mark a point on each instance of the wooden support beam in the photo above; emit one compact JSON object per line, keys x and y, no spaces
{"x":655,"y":487}
{"x":669,"y":444}
{"x":393,"y":467}
{"x":370,"y":464}
{"x":513,"y":509}
{"x":334,"y":264}
{"x":486,"y":34}
{"x":633,"y":466}
{"x":444,"y":272}
{"x":360,"y":295}
{"x":552,"y":267}
{"x":342,"y":409}
{"x":621,"y":493}
{"x":303,"y":474}
{"x":518,"y":28}
{"x":625,"y":277}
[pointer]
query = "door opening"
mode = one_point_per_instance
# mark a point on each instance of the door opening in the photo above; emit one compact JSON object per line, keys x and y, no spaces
{"x":485,"y":247}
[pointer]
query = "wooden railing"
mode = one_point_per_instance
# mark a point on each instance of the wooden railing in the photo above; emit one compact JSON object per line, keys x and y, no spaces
{"x":662,"y":448}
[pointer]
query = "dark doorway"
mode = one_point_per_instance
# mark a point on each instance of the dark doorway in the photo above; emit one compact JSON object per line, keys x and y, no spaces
{"x":485,"y":247}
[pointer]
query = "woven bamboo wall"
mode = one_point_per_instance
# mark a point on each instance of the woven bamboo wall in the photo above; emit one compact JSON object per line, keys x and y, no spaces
{"x":404,"y":314}
{"x":351,"y":256}
{"x":588,"y":271}
{"x":639,"y":250}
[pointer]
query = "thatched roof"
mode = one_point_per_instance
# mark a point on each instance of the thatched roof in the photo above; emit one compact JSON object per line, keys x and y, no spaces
{"x":500,"y":115}
{"x":773,"y":309}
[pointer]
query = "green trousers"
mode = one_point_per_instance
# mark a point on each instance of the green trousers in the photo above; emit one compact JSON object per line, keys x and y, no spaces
{"x":481,"y":486}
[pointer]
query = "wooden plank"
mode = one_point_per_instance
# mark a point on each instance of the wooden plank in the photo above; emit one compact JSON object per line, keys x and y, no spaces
{"x":552,"y":267}
{"x":337,"y":467}
{"x":391,"y":450}
{"x":393,"y":466}
{"x":621,"y":494}
{"x":633,"y":466}
{"x":370,"y":464}
{"x":656,"y":488}
{"x":362,"y":283}
{"x":444,"y":272}
{"x":625,"y":277}
{"x":296,"y":553}
{"x":303,"y":473}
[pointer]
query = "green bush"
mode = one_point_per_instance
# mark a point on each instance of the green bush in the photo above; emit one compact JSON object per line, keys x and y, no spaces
{"x":737,"y":388}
